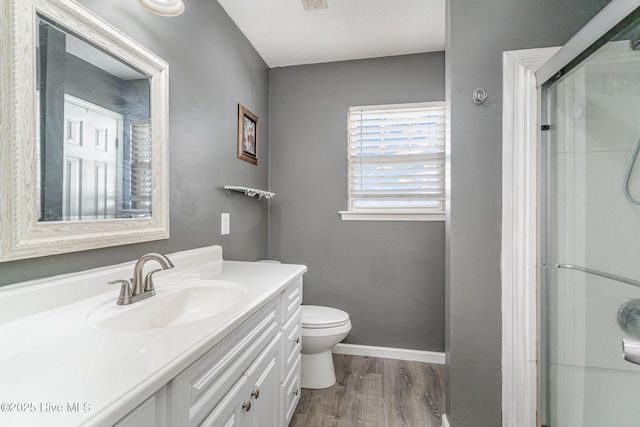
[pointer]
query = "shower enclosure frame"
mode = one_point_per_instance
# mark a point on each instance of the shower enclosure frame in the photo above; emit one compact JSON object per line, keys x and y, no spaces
{"x":524,"y":72}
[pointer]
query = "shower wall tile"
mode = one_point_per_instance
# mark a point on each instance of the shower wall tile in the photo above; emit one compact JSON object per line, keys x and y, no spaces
{"x":612,"y":223}
{"x":571,"y":194}
{"x":570,"y":115}
{"x":594,"y":397}
{"x":585,"y":332}
{"x":611,"y":398}
{"x":567,"y":334}
{"x":566,"y":396}
{"x":597,"y":227}
{"x":612,"y":102}
{"x":595,"y":286}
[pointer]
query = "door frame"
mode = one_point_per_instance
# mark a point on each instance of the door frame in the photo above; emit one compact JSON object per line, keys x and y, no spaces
{"x":520,"y":235}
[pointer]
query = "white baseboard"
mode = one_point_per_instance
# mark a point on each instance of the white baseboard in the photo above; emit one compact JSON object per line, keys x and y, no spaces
{"x":390,"y":353}
{"x":445,"y":421}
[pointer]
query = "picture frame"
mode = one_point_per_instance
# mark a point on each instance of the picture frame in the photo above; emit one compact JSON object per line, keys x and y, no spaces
{"x":247,"y":135}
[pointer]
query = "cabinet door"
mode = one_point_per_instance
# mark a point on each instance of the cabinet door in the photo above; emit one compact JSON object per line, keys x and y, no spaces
{"x":233,"y":409}
{"x":150,"y":413}
{"x":197,"y":390}
{"x":264,"y":387}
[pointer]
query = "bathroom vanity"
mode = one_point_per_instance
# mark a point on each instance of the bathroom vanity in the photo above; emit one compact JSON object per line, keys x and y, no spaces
{"x":218,"y":345}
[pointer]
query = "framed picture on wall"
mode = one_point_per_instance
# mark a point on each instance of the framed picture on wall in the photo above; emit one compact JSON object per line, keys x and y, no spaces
{"x":247,"y":135}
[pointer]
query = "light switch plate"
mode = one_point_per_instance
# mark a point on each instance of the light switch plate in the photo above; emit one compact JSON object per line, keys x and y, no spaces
{"x":224,"y":223}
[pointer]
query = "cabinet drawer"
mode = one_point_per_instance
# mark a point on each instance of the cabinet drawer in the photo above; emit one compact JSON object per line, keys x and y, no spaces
{"x":291,"y":391}
{"x":292,"y":341}
{"x":200,"y":387}
{"x":291,"y":299}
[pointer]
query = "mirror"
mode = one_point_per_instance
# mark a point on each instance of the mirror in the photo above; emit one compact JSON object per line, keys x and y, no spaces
{"x":84,"y":152}
{"x":93,"y":137}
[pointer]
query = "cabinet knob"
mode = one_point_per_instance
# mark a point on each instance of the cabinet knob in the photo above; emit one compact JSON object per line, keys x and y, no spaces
{"x":246,"y":406}
{"x":297,"y":340}
{"x":296,"y":391}
{"x":255,"y":393}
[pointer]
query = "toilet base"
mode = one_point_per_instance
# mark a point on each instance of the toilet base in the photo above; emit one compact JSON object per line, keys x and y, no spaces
{"x":318,"y":370}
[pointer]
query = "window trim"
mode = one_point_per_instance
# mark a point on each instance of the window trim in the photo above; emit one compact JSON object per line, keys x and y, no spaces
{"x":391,"y":213}
{"x":377,"y":215}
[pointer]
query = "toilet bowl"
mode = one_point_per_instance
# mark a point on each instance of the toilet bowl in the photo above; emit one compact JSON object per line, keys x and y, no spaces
{"x":322,"y":329}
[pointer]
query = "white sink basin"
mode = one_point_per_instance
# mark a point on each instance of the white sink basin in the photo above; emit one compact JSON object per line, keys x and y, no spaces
{"x":171,"y":306}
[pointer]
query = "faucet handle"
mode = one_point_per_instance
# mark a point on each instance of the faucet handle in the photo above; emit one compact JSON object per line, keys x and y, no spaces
{"x":148,"y":281}
{"x":125,"y":291}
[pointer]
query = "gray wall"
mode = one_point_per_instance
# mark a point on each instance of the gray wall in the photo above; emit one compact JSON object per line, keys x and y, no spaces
{"x":389,"y":276}
{"x":212,"y":69}
{"x":478,"y":34}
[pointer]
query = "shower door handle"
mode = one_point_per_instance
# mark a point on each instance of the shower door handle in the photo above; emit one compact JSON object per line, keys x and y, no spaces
{"x":631,"y":351}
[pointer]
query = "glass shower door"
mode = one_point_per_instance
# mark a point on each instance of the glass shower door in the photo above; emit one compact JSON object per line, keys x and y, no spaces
{"x":593,"y":237}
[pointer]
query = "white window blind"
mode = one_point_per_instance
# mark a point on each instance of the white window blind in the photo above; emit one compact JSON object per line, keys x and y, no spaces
{"x":396,"y":158}
{"x":140,"y":165}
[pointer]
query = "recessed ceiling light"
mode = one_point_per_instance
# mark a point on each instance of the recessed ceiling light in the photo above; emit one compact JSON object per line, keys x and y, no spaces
{"x":315,"y":4}
{"x":164,"y":7}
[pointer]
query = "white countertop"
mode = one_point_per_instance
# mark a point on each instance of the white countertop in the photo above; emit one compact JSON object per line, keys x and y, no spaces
{"x":58,"y":369}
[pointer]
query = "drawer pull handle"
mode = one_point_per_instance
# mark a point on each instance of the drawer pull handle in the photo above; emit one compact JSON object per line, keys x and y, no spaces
{"x":246,"y":406}
{"x":255,"y":393}
{"x":296,"y":391}
{"x":297,"y":340}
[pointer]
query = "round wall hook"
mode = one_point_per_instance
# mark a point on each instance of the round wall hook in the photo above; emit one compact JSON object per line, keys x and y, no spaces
{"x":479,"y":95}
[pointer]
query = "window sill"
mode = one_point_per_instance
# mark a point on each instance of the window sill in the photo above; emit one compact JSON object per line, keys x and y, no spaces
{"x":391,"y":216}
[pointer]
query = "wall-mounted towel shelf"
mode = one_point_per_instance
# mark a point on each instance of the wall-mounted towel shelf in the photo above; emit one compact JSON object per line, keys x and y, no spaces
{"x":251,"y":192}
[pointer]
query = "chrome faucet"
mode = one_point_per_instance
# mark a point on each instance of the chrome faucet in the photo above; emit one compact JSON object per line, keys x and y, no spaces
{"x":139,"y":288}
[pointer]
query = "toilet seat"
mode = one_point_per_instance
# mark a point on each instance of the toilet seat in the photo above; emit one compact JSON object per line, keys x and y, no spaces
{"x":319,"y":317}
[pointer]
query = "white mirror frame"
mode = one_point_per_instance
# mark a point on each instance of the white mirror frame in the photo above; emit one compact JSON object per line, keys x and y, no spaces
{"x":21,"y":235}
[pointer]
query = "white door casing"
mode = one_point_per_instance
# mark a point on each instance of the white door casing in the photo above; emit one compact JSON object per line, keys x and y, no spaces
{"x":520,"y":235}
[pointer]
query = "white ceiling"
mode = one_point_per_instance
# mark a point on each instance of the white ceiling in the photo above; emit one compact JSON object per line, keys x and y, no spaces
{"x":285,"y":34}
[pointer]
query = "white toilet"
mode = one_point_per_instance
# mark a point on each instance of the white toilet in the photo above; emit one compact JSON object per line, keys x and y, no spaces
{"x":322,"y":329}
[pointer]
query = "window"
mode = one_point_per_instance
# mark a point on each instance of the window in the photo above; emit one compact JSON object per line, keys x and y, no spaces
{"x":140,"y":167}
{"x":396,"y":162}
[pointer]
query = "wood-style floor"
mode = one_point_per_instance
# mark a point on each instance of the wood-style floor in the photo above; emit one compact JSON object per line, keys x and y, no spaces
{"x":375,"y":392}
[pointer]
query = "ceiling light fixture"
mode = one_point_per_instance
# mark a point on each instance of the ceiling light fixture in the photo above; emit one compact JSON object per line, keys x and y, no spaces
{"x":315,"y":4}
{"x":164,"y":7}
